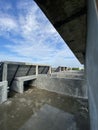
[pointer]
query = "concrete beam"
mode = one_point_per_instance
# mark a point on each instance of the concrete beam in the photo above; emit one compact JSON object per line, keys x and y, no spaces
{"x":36,"y":70}
{"x":69,"y":17}
{"x":23,"y":63}
{"x":72,"y":17}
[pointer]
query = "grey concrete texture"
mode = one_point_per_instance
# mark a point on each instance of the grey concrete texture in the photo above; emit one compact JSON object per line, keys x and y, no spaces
{"x":3,"y":91}
{"x":18,"y":83}
{"x":92,"y":62}
{"x":69,"y":19}
{"x":69,"y":74}
{"x":71,"y":87}
{"x":50,"y":118}
{"x":60,"y":68}
{"x":9,"y":70}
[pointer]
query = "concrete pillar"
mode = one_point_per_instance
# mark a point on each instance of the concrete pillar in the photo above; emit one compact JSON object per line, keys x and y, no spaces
{"x":36,"y":70}
{"x":49,"y":72}
{"x":4,"y":72}
{"x":18,"y":86}
{"x":59,"y":69}
{"x":92,"y":62}
{"x":3,"y":91}
{"x":63,"y":68}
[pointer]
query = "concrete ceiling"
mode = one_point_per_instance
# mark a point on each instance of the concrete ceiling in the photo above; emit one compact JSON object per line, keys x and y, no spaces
{"x":69,"y":19}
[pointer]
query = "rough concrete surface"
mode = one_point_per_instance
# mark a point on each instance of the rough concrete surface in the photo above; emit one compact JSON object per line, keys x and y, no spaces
{"x":69,"y":74}
{"x":50,"y":118}
{"x":3,"y":91}
{"x":69,"y":19}
{"x":92,"y":62}
{"x":18,"y":83}
{"x":9,"y":70}
{"x":72,"y":87}
{"x":20,"y":107}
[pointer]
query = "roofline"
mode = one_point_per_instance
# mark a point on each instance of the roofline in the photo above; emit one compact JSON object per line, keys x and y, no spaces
{"x":23,"y":63}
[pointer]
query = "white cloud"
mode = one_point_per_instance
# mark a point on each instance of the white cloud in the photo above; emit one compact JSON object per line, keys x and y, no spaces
{"x":39,"y":40}
{"x":45,"y":55}
{"x":11,"y":57}
{"x":7,"y":24}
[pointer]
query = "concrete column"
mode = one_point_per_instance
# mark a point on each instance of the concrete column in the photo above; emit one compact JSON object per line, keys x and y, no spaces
{"x":92,"y":62}
{"x":49,"y":72}
{"x":36,"y":70}
{"x":4,"y":72}
{"x":63,"y":68}
{"x":59,"y":69}
{"x":3,"y":91}
{"x":18,"y":86}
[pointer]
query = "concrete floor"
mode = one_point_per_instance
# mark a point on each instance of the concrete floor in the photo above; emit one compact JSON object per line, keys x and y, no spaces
{"x":50,"y":118}
{"x":21,"y":107}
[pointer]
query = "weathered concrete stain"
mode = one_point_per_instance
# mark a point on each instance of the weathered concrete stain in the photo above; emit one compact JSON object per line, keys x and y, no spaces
{"x":17,"y":110}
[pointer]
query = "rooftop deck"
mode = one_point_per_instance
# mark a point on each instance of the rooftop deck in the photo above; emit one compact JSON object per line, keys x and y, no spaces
{"x":20,"y":107}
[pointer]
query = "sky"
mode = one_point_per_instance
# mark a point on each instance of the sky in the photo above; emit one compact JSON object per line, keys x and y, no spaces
{"x":26,"y":35}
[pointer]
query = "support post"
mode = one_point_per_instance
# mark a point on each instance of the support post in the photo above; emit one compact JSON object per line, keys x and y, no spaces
{"x":4,"y":72}
{"x":36,"y":70}
{"x":59,"y":69}
{"x":49,"y":72}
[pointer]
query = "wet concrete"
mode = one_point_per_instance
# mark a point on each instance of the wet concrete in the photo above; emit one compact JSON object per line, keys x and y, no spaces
{"x":19,"y":108}
{"x":50,"y":118}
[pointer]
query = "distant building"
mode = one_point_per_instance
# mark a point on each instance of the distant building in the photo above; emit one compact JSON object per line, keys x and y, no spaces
{"x":61,"y":68}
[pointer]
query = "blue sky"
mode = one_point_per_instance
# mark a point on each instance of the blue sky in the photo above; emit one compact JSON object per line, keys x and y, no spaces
{"x":26,"y":35}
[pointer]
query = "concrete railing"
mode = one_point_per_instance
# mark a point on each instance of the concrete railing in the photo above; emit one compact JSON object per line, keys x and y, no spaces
{"x":3,"y":91}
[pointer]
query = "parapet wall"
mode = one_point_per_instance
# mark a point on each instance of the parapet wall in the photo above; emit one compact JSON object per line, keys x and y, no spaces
{"x":71,"y":87}
{"x":68,"y":74}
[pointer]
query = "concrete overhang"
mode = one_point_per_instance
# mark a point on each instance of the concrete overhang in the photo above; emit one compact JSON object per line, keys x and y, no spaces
{"x":69,"y":19}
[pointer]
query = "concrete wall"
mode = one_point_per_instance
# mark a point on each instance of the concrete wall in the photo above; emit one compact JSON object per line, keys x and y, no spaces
{"x":9,"y":70}
{"x":3,"y":91}
{"x":72,"y":87}
{"x":69,"y":74}
{"x":92,"y":62}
